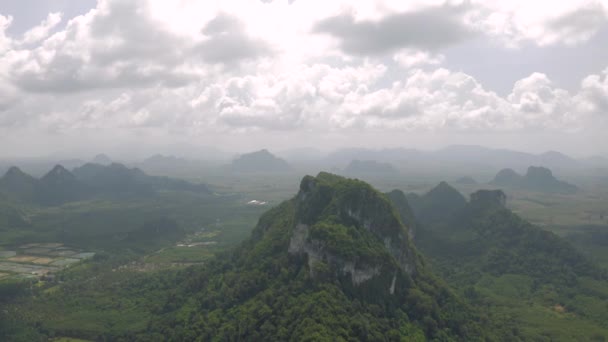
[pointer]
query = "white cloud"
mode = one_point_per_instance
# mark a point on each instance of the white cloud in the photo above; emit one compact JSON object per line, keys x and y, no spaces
{"x":234,"y":66}
{"x":593,"y":97}
{"x":540,"y":22}
{"x":407,"y":58}
{"x":43,"y":30}
{"x":5,"y":42}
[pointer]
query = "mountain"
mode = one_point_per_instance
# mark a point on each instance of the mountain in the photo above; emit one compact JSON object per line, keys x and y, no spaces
{"x":112,"y":179}
{"x":369,"y":167}
{"x":17,"y":184}
{"x":502,"y":157}
{"x":458,"y":156}
{"x":118,"y":179}
{"x":59,"y":186}
{"x":334,"y":263}
{"x":501,"y":241}
{"x":439,"y":204}
{"x":537,"y":178}
{"x":507,"y":177}
{"x":509,"y":268}
{"x":260,"y":161}
{"x":406,"y":214}
{"x":101,"y":159}
{"x":71,"y":163}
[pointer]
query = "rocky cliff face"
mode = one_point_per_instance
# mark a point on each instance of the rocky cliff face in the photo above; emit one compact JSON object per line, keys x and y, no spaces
{"x":350,"y":227}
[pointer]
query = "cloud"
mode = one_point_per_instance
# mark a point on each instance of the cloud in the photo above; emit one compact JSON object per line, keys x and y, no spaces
{"x":593,"y":97}
{"x":425,"y":29}
{"x":543,"y":23}
{"x":407,"y":58}
{"x":576,"y":26}
{"x":272,"y":68}
{"x":5,"y":42}
{"x":114,"y":45}
{"x":43,"y":30}
{"x":227,"y":42}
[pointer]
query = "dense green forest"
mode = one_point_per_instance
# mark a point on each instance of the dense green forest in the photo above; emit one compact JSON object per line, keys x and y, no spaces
{"x":511,"y":269}
{"x":338,"y":261}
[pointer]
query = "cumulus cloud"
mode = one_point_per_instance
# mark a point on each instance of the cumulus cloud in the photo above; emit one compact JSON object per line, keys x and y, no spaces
{"x":407,"y":58}
{"x":5,"y":42}
{"x":43,"y":30}
{"x":594,"y":95}
{"x":228,"y":68}
{"x":227,"y":41}
{"x":543,"y":23}
{"x":427,"y":29}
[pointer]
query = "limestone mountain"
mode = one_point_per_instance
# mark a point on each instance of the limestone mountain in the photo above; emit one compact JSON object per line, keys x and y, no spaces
{"x":537,"y":178}
{"x":260,"y":161}
{"x":406,"y":214}
{"x":333,"y":263}
{"x":59,"y":186}
{"x":18,"y":185}
{"x":439,"y":204}
{"x":498,"y":259}
{"x":118,"y":179}
{"x":507,"y":177}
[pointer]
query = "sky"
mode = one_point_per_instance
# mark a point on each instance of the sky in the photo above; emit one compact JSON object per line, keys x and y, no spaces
{"x":136,"y":76}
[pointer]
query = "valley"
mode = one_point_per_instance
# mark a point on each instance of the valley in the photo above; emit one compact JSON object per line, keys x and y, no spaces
{"x":126,"y":250}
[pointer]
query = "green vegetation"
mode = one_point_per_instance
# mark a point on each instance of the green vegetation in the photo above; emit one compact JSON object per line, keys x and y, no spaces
{"x":529,"y":279}
{"x":336,"y":262}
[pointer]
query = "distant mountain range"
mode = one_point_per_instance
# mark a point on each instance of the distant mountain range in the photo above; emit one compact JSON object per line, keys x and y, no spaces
{"x":369,"y":167}
{"x":259,"y":161}
{"x":466,"y":155}
{"x":60,"y":185}
{"x":536,"y":179}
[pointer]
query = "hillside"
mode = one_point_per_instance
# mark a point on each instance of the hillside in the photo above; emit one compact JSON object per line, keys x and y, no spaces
{"x":438,"y":205}
{"x":536,"y":179}
{"x":19,"y":185}
{"x":258,"y":162}
{"x":60,"y":186}
{"x":320,"y":266}
{"x":514,"y":270}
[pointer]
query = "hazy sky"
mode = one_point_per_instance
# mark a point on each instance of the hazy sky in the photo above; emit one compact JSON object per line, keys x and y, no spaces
{"x":121,"y":75}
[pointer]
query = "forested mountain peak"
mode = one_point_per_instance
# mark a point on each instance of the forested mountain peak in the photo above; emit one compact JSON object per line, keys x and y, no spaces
{"x":58,"y":174}
{"x":14,"y":171}
{"x":401,"y":204}
{"x":439,"y":204}
{"x":18,"y":184}
{"x":336,"y":254}
{"x":350,"y":226}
